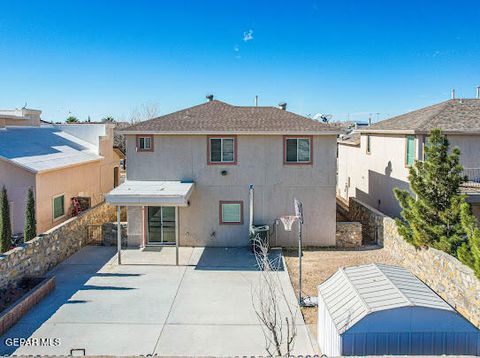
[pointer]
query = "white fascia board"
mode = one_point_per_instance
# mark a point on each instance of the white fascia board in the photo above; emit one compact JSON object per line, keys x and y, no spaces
{"x":319,"y":133}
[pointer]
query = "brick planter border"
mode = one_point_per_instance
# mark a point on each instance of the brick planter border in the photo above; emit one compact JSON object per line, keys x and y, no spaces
{"x":14,"y":313}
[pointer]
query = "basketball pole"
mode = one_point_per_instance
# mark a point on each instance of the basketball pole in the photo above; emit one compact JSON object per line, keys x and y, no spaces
{"x":300,"y":263}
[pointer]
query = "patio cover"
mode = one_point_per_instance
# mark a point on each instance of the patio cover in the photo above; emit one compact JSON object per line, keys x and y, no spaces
{"x":151,"y":193}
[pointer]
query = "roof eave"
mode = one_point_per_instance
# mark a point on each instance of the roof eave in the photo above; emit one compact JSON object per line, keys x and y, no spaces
{"x":333,"y":132}
{"x":418,"y":131}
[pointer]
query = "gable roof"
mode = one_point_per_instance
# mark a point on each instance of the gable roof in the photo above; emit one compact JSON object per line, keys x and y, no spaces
{"x":452,"y":116}
{"x":44,"y":148}
{"x":354,"y":292}
{"x":215,"y":117}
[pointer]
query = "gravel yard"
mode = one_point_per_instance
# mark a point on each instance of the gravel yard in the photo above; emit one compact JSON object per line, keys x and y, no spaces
{"x":318,"y":264}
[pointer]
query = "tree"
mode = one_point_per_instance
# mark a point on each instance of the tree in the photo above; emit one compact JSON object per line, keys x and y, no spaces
{"x":144,"y":112}
{"x":275,"y":312}
{"x":432,"y":216}
{"x":30,"y":229}
{"x":469,"y":251}
{"x":108,"y":119}
{"x":5,"y":223}
{"x":72,"y":119}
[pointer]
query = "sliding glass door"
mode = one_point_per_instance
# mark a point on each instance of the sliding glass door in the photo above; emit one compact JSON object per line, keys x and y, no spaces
{"x":161,"y":225}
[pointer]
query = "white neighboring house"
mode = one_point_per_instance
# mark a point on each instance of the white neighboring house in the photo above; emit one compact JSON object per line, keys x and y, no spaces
{"x":189,"y":173}
{"x":375,"y":160}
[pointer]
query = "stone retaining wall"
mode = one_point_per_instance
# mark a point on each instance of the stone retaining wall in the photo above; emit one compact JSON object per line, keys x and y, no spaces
{"x":37,"y":256}
{"x":109,"y":234}
{"x":453,"y":281}
{"x":370,"y":218}
{"x":349,"y":234}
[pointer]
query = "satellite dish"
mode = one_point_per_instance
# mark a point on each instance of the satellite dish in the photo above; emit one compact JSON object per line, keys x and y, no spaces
{"x":325,"y":118}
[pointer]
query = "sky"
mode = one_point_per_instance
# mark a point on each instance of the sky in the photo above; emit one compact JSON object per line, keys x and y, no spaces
{"x":350,"y":59}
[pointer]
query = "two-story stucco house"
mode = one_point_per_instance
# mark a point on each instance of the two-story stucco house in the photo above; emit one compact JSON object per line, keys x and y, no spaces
{"x":59,"y":162}
{"x":376,"y":159}
{"x":189,"y":173}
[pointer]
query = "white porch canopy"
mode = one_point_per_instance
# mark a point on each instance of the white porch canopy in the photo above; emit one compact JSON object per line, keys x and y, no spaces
{"x":150,"y":193}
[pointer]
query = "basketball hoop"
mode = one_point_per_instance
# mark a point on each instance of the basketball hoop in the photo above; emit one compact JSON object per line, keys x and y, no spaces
{"x":288,"y":221}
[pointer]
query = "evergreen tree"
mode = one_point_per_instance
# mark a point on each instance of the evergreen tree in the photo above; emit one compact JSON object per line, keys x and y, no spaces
{"x":30,"y":229}
{"x":469,"y":251}
{"x":432,"y":216}
{"x":5,"y":224}
{"x":72,"y":119}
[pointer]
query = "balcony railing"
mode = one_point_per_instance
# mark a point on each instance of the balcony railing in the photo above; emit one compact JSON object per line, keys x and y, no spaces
{"x":473,"y":175}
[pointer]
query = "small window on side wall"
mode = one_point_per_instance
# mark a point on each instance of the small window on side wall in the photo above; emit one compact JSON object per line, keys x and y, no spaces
{"x":231,"y":212}
{"x":145,"y":143}
{"x":58,"y":206}
{"x":222,"y":150}
{"x":298,"y":150}
{"x":368,"y":144}
{"x":410,"y":151}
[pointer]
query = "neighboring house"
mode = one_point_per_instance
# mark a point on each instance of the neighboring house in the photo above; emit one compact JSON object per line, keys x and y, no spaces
{"x":375,"y":160}
{"x":189,"y":172}
{"x":59,"y":162}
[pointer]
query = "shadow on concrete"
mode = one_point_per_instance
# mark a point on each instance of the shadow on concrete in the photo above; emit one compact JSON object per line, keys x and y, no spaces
{"x":234,"y":259}
{"x":71,"y":277}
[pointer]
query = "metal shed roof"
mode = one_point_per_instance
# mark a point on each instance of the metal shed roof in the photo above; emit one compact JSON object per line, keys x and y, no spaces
{"x":354,"y":292}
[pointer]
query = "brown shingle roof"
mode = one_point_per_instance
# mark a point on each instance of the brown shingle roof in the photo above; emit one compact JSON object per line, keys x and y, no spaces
{"x":455,"y":115}
{"x":219,"y":117}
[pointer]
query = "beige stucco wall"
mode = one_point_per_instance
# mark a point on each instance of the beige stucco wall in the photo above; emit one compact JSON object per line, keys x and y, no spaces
{"x":260,"y":162}
{"x":92,"y":179}
{"x":373,"y":176}
{"x":17,"y":181}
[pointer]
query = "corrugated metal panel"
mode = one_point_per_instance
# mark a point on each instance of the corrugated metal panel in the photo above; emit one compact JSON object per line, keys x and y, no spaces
{"x":353,"y":292}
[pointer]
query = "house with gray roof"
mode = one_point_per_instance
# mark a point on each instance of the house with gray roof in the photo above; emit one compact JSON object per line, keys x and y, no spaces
{"x":376,"y":159}
{"x":59,"y":162}
{"x":192,"y":174}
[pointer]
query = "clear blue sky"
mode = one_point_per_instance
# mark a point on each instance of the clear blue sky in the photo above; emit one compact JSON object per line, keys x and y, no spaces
{"x":99,"y":58}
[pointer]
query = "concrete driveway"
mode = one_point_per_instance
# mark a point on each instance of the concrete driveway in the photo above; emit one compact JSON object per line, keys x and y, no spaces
{"x":146,"y":306}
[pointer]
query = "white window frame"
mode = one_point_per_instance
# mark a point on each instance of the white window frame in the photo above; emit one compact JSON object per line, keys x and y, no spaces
{"x":145,"y":148}
{"x":309,"y":161}
{"x":233,"y":161}
{"x":53,"y":207}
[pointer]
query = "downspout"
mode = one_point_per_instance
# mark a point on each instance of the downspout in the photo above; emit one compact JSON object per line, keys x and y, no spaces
{"x":250,"y":197}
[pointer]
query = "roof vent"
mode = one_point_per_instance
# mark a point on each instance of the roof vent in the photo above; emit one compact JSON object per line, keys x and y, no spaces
{"x":283,"y":106}
{"x":209,"y":97}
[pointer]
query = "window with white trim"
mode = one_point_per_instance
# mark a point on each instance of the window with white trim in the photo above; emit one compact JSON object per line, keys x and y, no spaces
{"x":298,"y":150}
{"x":145,"y":143}
{"x":222,"y":150}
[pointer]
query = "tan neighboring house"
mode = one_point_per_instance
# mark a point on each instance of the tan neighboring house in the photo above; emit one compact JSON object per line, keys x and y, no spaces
{"x":59,"y":162}
{"x":189,"y":174}
{"x":376,"y":159}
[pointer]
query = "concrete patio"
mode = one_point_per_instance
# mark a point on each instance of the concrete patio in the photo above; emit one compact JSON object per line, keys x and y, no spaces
{"x":149,"y":306}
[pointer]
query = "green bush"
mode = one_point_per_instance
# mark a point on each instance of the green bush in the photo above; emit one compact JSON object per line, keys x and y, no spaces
{"x":5,"y":223}
{"x":30,"y":229}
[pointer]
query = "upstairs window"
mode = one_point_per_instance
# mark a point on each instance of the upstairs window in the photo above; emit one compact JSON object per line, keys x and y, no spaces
{"x":368,"y":144}
{"x":298,"y":150}
{"x":145,"y":143}
{"x":222,"y":150}
{"x":410,"y":151}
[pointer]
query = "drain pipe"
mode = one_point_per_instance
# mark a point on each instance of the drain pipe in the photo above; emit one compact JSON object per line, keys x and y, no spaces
{"x":250,"y":197}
